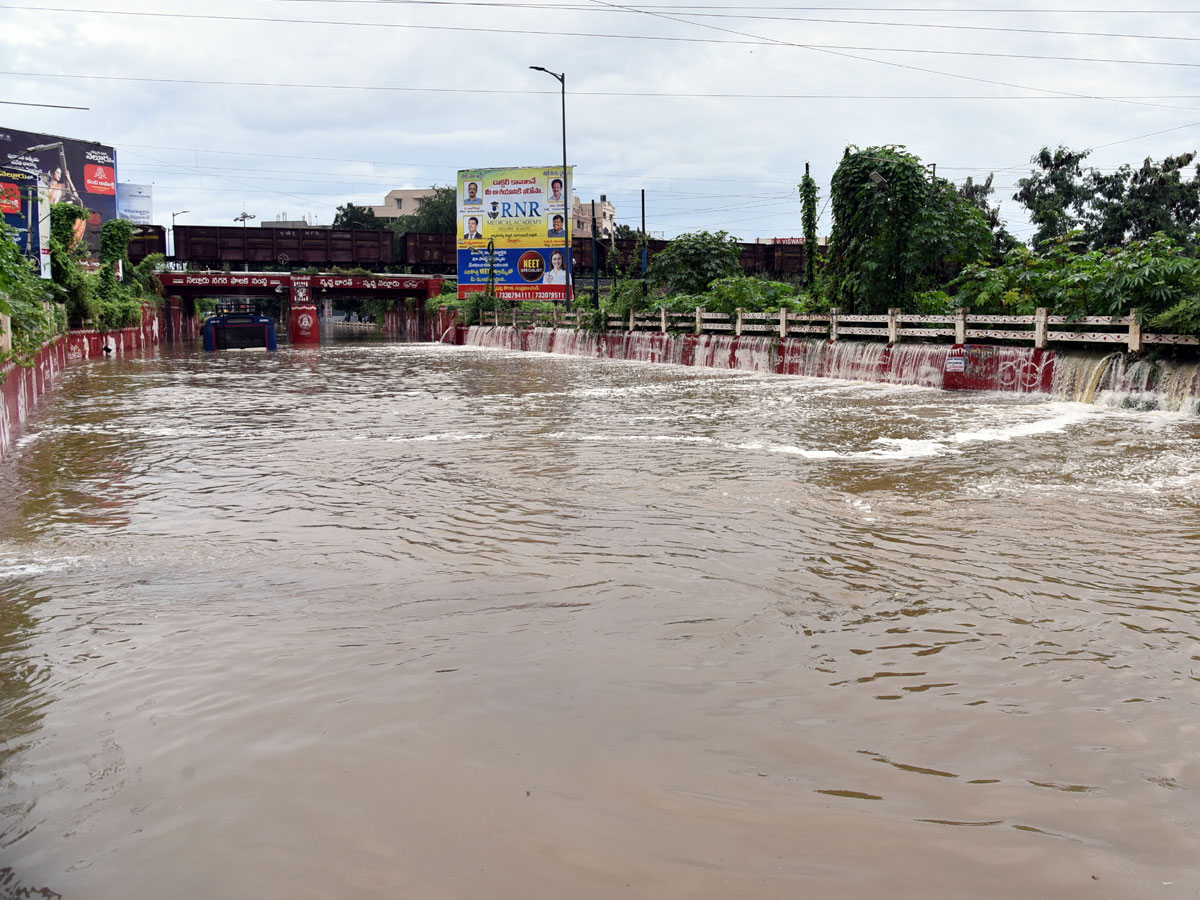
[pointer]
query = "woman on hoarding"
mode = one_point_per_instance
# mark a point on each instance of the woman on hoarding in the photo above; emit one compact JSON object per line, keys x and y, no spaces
{"x":56,"y":186}
{"x":556,"y":274}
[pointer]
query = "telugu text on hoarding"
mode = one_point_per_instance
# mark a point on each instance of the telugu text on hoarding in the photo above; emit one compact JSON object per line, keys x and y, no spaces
{"x":72,"y":171}
{"x":512,"y":232}
{"x":135,"y":203}
{"x":25,"y":209}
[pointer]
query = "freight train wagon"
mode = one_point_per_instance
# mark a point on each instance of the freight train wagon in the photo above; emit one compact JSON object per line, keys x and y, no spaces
{"x":147,"y":239}
{"x":216,"y":245}
{"x":438,"y":254}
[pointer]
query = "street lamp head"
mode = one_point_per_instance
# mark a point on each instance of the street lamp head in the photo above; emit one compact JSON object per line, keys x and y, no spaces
{"x":878,"y":179}
{"x":561,"y":78}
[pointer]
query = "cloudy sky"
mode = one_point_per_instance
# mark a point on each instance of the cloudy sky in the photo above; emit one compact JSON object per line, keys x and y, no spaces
{"x":293,"y":107}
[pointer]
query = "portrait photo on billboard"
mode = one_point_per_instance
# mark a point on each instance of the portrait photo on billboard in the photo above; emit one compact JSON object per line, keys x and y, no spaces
{"x":471,"y":229}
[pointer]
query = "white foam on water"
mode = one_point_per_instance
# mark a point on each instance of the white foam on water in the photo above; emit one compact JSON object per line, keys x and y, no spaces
{"x":447,"y":437}
{"x":23,"y":568}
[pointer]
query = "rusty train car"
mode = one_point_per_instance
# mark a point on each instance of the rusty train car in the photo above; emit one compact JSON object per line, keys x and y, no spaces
{"x":438,"y":254}
{"x":424,"y":253}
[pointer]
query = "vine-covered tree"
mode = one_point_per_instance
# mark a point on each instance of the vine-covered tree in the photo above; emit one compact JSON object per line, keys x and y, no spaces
{"x":356,"y":218}
{"x":896,"y":230}
{"x":808,"y":200}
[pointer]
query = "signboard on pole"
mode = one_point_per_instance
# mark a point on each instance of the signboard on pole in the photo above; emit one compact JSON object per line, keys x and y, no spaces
{"x":512,"y":232}
{"x":72,"y":171}
{"x":24,"y":208}
{"x":135,"y":203}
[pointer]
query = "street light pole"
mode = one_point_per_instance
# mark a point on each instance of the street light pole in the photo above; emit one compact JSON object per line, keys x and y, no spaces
{"x":567,"y":212}
{"x":173,"y":215}
{"x":245,"y":250}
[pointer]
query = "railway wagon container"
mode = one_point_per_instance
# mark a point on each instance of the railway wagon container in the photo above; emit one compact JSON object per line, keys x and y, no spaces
{"x":147,"y":239}
{"x":432,"y":254}
{"x":220,"y":244}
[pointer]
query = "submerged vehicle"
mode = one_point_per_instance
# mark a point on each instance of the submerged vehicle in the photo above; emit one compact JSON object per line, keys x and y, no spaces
{"x":237,"y":325}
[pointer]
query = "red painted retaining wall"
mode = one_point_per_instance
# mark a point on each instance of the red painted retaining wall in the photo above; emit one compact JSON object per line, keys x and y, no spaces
{"x":978,"y":368}
{"x":23,"y":388}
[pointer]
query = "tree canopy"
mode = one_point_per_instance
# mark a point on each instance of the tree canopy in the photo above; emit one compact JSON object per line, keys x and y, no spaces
{"x":896,"y":229}
{"x":1109,"y":209}
{"x":356,"y":218}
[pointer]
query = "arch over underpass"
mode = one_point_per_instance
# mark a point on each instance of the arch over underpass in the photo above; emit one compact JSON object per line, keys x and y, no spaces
{"x":302,"y":294}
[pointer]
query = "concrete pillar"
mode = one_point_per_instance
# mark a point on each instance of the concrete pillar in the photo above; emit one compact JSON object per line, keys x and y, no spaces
{"x":833,"y":324}
{"x":632,"y":320}
{"x":5,"y":334}
{"x":783,"y":322}
{"x":1041,"y":328}
{"x":662,"y":310}
{"x":893,"y":323}
{"x":737,"y":328}
{"x":1135,"y":331}
{"x":699,"y":320}
{"x":960,"y":325}
{"x":303,"y":327}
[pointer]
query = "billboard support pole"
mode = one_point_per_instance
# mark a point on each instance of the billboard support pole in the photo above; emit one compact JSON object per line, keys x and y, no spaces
{"x":644,"y":243}
{"x":595,"y":260}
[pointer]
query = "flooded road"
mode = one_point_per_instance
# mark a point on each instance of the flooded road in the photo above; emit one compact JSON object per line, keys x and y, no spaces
{"x":422,"y":621}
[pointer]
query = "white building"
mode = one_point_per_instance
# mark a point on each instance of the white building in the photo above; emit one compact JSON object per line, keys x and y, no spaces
{"x":581,"y":215}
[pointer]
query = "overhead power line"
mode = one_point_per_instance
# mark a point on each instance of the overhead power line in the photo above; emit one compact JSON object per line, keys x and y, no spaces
{"x":753,"y":38}
{"x":688,"y":95}
{"x":940,"y":10}
{"x":44,"y":105}
{"x":612,"y":6}
{"x":739,"y":12}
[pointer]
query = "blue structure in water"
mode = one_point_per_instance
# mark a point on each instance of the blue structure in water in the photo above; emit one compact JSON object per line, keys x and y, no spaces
{"x":238,"y":326}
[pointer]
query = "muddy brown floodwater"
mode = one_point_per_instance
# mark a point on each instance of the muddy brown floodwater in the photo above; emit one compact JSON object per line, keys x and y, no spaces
{"x":415,"y":621}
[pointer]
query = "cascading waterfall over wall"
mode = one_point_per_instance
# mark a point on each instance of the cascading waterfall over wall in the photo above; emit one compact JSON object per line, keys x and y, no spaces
{"x":1114,"y":379}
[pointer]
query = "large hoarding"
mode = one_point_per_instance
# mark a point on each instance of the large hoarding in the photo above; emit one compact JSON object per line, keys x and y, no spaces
{"x":74,"y":171}
{"x":512,"y":232}
{"x":24,"y":208}
{"x":135,"y":203}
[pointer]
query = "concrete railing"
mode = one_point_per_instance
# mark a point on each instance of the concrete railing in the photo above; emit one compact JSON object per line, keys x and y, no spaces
{"x":961,"y":327}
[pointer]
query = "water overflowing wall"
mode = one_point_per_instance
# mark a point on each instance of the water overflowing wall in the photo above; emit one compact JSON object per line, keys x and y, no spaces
{"x":1115,"y":379}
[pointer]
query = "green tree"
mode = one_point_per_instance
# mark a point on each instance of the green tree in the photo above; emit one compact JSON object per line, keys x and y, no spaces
{"x":1133,"y":204}
{"x":118,"y":305}
{"x":1108,"y":209}
{"x":623,"y":232}
{"x":23,"y":297}
{"x":76,"y":289}
{"x":1055,"y":194}
{"x":896,"y":231}
{"x":808,"y":199}
{"x":356,"y":218}
{"x":978,"y":192}
{"x":692,"y":262}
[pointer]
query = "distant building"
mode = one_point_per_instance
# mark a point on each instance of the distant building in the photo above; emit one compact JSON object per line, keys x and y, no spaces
{"x":402,"y":202}
{"x":581,"y":214}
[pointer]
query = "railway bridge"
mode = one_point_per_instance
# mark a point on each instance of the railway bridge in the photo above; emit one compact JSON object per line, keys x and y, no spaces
{"x":305,"y":299}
